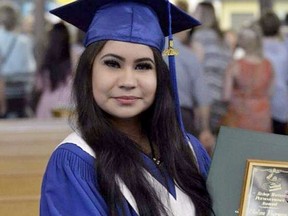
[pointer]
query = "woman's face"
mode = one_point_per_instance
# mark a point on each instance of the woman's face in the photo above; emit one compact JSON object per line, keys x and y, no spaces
{"x":124,"y":79}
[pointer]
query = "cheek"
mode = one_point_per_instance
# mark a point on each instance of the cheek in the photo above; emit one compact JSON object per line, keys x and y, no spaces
{"x":154,"y":87}
{"x":96,"y":91}
{"x":95,"y":84}
{"x":97,"y":87}
{"x":151,"y":86}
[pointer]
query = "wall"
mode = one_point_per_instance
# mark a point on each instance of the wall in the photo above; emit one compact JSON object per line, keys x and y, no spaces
{"x":233,"y":13}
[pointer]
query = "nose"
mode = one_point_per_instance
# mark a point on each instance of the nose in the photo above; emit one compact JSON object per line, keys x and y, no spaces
{"x":128,"y":79}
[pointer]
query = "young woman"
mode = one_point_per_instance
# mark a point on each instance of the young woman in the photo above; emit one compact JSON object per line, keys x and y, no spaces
{"x":209,"y":45}
{"x":128,"y":155}
{"x":276,"y":52}
{"x":54,"y":79}
{"x":248,"y":85}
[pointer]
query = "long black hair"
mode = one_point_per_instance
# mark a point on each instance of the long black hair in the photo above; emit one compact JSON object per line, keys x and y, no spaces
{"x":118,"y":156}
{"x":208,"y":17}
{"x":57,"y":58}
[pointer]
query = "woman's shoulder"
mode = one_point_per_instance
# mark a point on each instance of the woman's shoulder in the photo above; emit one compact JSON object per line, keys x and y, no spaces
{"x":200,"y":154}
{"x":76,"y":139}
{"x":73,"y":154}
{"x":77,"y":145}
{"x":70,"y":178}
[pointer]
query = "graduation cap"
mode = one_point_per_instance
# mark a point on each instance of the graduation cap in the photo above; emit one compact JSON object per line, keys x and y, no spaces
{"x":146,"y":22}
{"x":139,"y":21}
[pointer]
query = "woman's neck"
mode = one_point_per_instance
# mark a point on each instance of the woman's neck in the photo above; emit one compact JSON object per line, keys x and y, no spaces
{"x":132,"y":128}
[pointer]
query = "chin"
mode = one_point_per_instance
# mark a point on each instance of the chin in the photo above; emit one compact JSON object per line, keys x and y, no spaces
{"x":125,"y":115}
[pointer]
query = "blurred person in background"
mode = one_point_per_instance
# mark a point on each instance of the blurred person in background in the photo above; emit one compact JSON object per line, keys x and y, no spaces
{"x":54,"y":77}
{"x":284,"y":29}
{"x":2,"y":98}
{"x":192,"y":89}
{"x":231,"y":39}
{"x":248,"y":85}
{"x":77,"y":48}
{"x":17,"y":64}
{"x":208,"y":43}
{"x":276,"y":52}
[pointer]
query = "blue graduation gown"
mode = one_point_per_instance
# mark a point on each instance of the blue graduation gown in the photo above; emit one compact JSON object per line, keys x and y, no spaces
{"x":70,"y":187}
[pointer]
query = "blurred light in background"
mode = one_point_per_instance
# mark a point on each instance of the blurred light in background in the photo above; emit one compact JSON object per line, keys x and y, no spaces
{"x":63,"y":1}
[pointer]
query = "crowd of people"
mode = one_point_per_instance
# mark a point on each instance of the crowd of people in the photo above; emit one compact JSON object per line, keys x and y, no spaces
{"x":256,"y":81}
{"x":237,"y":79}
{"x":17,"y":63}
{"x":245,"y":75}
{"x":29,"y":89}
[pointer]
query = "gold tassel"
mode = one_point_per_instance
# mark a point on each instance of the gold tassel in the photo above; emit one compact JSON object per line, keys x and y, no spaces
{"x":170,"y":51}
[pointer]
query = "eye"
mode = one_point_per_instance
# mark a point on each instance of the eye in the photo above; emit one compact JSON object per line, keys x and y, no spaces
{"x":144,"y":66}
{"x":112,"y":63}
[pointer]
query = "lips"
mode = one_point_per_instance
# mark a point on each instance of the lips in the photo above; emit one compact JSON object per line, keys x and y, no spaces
{"x":126,"y":100}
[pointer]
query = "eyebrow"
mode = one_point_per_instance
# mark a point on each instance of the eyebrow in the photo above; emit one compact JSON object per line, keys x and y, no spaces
{"x":113,"y":55}
{"x":123,"y":59}
{"x":145,"y":59}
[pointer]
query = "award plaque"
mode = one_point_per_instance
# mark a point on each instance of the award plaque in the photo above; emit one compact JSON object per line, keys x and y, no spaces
{"x":265,"y":190}
{"x":229,"y":167}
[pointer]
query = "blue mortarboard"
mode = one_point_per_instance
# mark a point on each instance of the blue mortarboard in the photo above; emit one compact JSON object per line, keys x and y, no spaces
{"x":146,"y":22}
{"x":131,"y":21}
